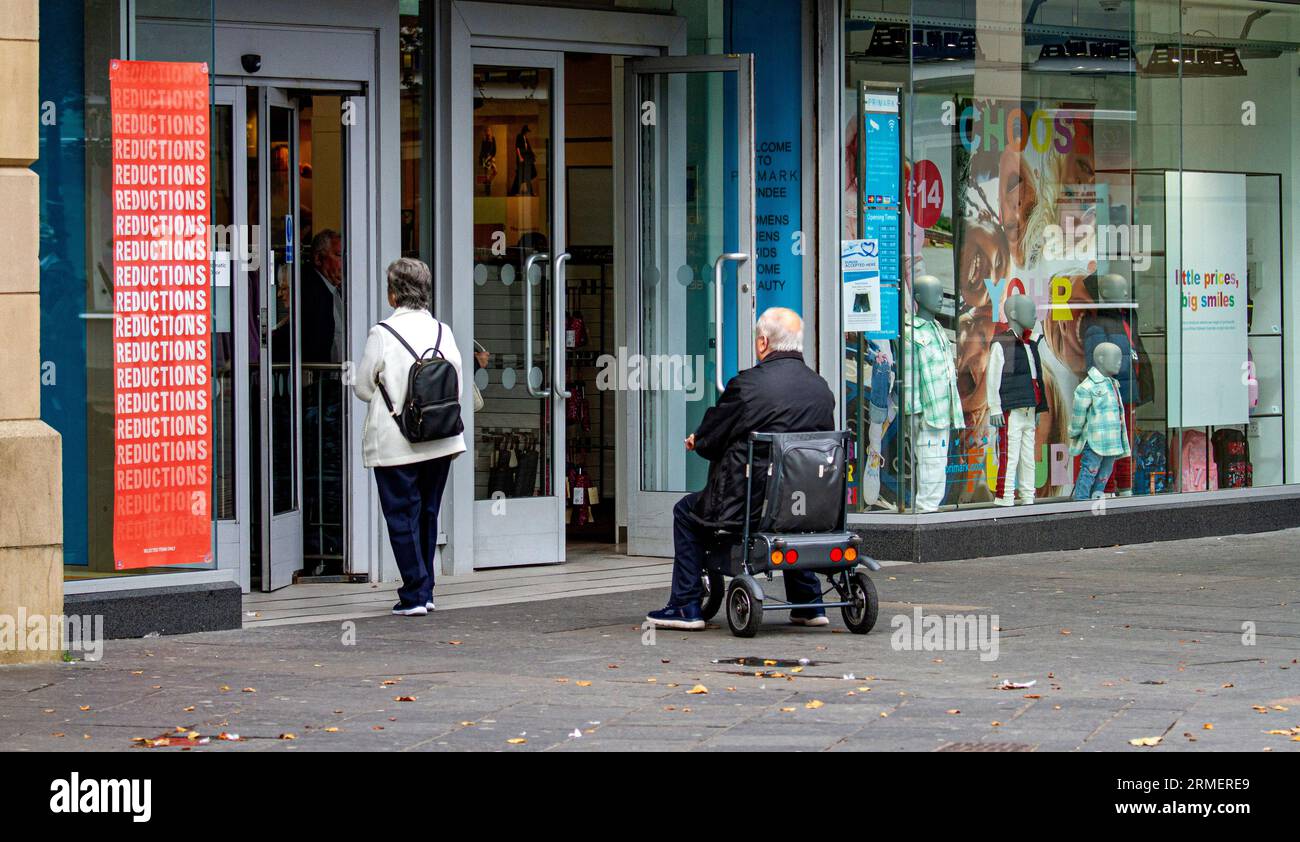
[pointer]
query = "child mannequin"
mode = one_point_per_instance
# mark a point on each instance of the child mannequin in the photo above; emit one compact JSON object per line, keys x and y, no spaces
{"x":1016,"y":394}
{"x":1097,"y":423}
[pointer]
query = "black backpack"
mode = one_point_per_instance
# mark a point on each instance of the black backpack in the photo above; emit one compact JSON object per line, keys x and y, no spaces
{"x":432,"y":407}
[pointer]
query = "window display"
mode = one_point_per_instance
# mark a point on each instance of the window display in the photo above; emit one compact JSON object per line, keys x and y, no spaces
{"x":1068,"y":231}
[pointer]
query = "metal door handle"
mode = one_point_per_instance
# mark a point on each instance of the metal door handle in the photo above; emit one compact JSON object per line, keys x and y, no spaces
{"x":528,"y":323}
{"x":558,"y":378}
{"x":738,"y":257}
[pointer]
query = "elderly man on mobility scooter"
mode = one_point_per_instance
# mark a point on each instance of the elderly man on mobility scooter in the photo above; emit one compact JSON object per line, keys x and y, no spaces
{"x":780,"y":394}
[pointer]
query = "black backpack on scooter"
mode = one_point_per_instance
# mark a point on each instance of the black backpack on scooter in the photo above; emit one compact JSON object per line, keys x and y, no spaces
{"x":432,"y":407}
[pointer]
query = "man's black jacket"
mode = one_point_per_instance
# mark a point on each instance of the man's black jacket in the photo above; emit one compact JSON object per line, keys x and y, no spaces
{"x":779,"y":395}
{"x":316,"y":314}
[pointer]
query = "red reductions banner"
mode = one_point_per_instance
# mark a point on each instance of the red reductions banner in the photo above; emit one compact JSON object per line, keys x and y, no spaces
{"x":162,"y":426}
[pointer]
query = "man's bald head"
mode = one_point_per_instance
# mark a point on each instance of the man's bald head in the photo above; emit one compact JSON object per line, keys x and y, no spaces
{"x":779,"y":329}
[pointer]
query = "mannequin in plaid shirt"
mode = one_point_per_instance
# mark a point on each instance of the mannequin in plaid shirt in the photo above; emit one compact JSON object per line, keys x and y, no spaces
{"x":933,"y":404}
{"x":1097,"y":423}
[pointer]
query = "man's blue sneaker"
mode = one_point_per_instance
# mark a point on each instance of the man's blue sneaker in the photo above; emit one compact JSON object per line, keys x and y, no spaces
{"x":677,"y":617}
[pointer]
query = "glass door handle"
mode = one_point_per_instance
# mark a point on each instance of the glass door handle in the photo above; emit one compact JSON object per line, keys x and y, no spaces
{"x":738,"y":257}
{"x":536,"y":391}
{"x":558,"y":379}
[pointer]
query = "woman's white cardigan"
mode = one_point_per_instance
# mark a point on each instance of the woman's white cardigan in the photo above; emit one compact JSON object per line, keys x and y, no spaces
{"x":383,"y":444}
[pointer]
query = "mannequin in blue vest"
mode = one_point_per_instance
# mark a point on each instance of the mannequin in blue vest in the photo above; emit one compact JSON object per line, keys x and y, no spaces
{"x":1016,"y":394}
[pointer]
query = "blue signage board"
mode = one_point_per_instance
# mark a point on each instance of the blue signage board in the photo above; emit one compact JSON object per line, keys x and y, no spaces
{"x":772,"y":31}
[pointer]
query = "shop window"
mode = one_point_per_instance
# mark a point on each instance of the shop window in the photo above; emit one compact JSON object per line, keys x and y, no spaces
{"x":1074,"y":179}
{"x":77,"y":253}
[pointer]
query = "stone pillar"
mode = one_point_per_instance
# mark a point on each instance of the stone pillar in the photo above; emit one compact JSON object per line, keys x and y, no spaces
{"x":31,"y":482}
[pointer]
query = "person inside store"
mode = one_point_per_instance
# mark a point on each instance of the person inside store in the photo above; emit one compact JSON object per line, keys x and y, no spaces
{"x":411,"y":476}
{"x":321,"y":326}
{"x":780,"y":394}
{"x":322,"y":300}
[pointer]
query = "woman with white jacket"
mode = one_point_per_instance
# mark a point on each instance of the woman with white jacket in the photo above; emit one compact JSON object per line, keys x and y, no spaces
{"x":411,"y":476}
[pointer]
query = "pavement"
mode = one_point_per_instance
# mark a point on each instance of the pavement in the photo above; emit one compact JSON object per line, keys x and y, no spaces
{"x":1188,"y":645}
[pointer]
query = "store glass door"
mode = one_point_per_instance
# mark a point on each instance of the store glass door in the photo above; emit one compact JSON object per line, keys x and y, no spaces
{"x":274,"y":365}
{"x":689,"y":188}
{"x":518,"y":268}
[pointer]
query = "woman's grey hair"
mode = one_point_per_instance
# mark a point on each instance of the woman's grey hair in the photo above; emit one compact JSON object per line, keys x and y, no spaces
{"x":782,"y":328}
{"x":410,"y":283}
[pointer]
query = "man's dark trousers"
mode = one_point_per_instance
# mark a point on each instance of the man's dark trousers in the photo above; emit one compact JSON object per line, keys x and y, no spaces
{"x":410,"y":496}
{"x":690,"y":545}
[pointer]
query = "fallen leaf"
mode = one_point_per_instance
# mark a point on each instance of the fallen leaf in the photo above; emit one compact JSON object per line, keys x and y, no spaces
{"x":189,"y":709}
{"x":996,"y":724}
{"x":953,"y":711}
{"x":1145,"y":741}
{"x":583,"y":683}
{"x":814,"y":704}
{"x":697,"y":690}
{"x":288,"y":736}
{"x":333,"y":729}
{"x":516,"y":741}
{"x":404,"y":698}
{"x":250,"y":690}
{"x":783,"y":710}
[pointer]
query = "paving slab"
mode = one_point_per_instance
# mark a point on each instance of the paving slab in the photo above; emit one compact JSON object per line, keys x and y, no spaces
{"x":1119,"y":643}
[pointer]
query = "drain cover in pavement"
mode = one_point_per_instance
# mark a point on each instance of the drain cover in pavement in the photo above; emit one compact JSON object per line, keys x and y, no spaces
{"x":986,"y":747}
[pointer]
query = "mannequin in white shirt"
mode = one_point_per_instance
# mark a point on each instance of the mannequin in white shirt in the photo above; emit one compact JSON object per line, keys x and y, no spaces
{"x":1016,"y":394}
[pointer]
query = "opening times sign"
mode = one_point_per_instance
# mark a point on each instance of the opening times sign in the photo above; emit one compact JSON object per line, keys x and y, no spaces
{"x":161,"y":314}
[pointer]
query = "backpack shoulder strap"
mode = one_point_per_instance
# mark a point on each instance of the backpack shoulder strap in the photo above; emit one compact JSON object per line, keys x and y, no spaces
{"x":386,"y":326}
{"x":437,"y":343}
